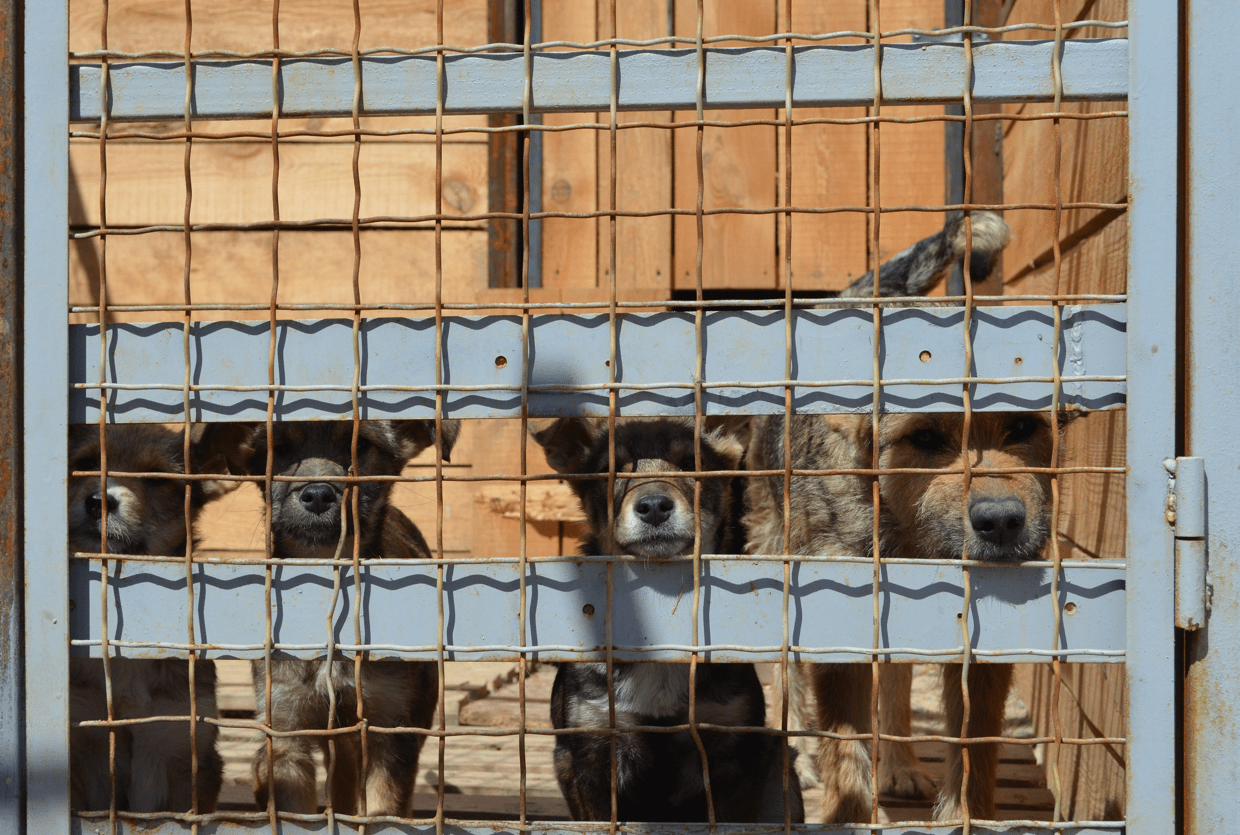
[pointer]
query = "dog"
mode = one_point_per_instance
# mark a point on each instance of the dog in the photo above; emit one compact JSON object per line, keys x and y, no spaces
{"x":154,"y":762}
{"x":313,"y":519}
{"x":659,"y":775}
{"x":1008,"y":520}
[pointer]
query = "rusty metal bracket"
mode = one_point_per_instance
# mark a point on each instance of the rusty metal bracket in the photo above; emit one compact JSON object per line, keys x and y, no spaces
{"x":1186,"y":509}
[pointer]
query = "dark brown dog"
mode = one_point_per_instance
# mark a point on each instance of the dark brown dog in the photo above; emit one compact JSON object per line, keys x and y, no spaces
{"x":145,"y":516}
{"x":313,"y":519}
{"x":659,"y":775}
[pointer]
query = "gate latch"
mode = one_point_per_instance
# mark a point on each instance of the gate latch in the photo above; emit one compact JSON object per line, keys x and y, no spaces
{"x":1186,"y":508}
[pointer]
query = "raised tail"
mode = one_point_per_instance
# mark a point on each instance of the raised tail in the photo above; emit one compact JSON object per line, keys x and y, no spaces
{"x":915,"y":270}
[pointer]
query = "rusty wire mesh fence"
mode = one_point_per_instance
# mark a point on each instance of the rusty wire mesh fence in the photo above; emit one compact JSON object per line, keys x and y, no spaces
{"x":435,"y":307}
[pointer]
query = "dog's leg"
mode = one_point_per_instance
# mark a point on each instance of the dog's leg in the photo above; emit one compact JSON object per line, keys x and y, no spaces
{"x":899,"y":771}
{"x":344,"y":789}
{"x":842,"y":693}
{"x":988,"y":688}
{"x":291,"y":767}
{"x":391,"y":760}
{"x":800,"y":718}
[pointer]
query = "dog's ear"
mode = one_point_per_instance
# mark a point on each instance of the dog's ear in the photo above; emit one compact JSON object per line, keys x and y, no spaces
{"x":226,"y":448}
{"x":221,"y":449}
{"x":733,"y":430}
{"x":567,"y":441}
{"x":1065,"y":418}
{"x":727,"y":446}
{"x":417,"y":435}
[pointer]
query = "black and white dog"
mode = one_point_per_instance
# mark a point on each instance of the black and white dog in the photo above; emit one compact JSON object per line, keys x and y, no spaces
{"x":659,"y":776}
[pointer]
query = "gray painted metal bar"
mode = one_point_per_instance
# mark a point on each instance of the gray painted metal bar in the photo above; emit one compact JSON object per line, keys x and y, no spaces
{"x":45,"y":368}
{"x":12,"y":753}
{"x":830,"y":607}
{"x":1152,"y":270}
{"x":1010,"y":343}
{"x":656,"y":79}
{"x":253,"y":825}
{"x":1212,"y":689}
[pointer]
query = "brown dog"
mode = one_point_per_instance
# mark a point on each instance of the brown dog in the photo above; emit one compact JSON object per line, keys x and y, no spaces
{"x":1007,"y":519}
{"x":313,"y":519}
{"x":145,"y":516}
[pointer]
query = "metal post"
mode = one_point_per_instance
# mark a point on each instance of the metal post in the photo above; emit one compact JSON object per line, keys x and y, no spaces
{"x":45,"y":301}
{"x":1153,"y":49}
{"x":1212,"y":654}
{"x":11,"y":749}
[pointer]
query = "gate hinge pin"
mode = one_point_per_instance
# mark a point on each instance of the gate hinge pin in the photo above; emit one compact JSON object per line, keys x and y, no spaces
{"x":1186,"y":510}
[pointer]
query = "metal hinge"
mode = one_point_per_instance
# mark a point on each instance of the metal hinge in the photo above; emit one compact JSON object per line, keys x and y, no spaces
{"x":1186,"y":510}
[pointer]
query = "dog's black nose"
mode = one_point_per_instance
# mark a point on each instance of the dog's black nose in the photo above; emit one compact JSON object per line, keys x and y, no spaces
{"x":318,"y":498}
{"x":654,"y":510}
{"x":94,"y":504}
{"x":998,"y":521}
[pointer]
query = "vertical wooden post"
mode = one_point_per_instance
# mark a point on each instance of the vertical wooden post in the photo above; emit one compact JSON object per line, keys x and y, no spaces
{"x":504,"y":25}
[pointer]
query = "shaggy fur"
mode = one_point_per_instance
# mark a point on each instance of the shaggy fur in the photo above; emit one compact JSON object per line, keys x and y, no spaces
{"x":1007,"y":519}
{"x":145,"y":516}
{"x":659,"y":776}
{"x":313,"y":519}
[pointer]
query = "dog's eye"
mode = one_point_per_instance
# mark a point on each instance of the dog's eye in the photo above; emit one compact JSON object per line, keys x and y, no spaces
{"x":1022,"y":429}
{"x":83,"y":464}
{"x":927,"y":440}
{"x":363,"y":445}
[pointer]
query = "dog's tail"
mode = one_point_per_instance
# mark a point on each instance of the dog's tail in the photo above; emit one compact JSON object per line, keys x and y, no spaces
{"x":917,"y":269}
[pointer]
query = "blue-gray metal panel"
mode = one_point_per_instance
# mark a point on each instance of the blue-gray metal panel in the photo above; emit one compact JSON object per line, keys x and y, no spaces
{"x":287,"y":827}
{"x":1152,"y":268}
{"x":1212,"y":691}
{"x":829,"y":345}
{"x":46,"y":290}
{"x":830,"y":606}
{"x":580,"y":81}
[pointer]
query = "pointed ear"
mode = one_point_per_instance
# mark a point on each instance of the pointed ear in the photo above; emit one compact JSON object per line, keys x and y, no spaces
{"x":729,"y":435}
{"x":1064,"y":418}
{"x":417,"y":435}
{"x":567,"y":441}
{"x":223,"y":448}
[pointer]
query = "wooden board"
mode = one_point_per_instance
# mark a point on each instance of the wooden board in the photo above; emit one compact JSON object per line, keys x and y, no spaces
{"x":828,"y":169}
{"x":235,"y":268}
{"x":570,"y":167}
{"x":232,"y":181}
{"x":246,"y":25}
{"x":738,"y":171}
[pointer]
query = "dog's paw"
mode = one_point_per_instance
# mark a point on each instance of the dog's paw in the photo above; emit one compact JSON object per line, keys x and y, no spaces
{"x":807,"y":773}
{"x":907,"y":779}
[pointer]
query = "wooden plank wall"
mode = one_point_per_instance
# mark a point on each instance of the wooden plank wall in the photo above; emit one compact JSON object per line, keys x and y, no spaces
{"x":1093,"y":245}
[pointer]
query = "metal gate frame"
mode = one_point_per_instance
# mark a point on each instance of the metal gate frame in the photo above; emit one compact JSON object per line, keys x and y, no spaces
{"x":1151,"y":376}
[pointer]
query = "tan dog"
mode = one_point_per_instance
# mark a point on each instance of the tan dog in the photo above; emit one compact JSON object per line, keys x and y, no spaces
{"x":921,"y":516}
{"x":1008,"y":519}
{"x":312,"y":519}
{"x":145,"y":516}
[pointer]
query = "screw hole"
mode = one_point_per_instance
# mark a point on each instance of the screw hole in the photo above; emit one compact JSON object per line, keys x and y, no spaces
{"x":1019,"y":360}
{"x":500,"y":362}
{"x":1069,"y":608}
{"x":925,"y":356}
{"x":588,"y":610}
{"x":607,"y":363}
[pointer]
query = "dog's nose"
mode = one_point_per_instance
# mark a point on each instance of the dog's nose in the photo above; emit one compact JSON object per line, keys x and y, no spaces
{"x":998,"y":521}
{"x":318,"y":498}
{"x":654,"y":510}
{"x":94,"y":504}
